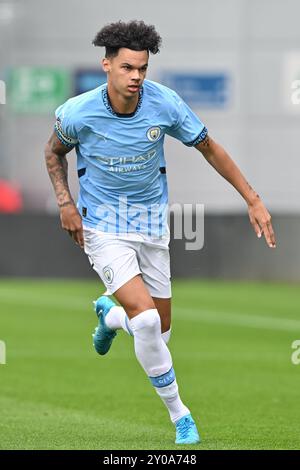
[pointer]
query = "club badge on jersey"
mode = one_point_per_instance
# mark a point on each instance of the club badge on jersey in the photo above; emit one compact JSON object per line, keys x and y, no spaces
{"x":153,"y":133}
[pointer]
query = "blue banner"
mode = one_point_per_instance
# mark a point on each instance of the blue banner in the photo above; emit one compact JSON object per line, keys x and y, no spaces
{"x":88,"y":79}
{"x":206,"y":90}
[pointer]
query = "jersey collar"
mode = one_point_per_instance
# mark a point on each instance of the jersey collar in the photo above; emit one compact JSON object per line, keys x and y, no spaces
{"x":109,"y":107}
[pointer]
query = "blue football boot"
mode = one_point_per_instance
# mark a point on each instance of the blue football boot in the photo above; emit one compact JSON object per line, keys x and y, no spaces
{"x":103,"y":335}
{"x":186,"y":431}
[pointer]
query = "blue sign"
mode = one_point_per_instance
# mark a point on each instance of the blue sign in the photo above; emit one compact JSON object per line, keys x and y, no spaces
{"x":206,"y":90}
{"x":88,"y":79}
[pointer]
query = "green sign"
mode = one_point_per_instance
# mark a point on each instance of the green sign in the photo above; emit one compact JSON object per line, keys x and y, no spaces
{"x":37,"y":89}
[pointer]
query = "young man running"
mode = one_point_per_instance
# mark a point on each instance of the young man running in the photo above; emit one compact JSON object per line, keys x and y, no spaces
{"x":120,"y":220}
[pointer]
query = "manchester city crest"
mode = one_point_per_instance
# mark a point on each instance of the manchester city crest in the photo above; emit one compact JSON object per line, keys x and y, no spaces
{"x":109,"y":274}
{"x":153,"y":133}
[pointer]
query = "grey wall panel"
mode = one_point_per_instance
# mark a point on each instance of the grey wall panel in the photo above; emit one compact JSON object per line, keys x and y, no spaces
{"x":272,"y":19}
{"x":36,"y":246}
{"x":232,"y":251}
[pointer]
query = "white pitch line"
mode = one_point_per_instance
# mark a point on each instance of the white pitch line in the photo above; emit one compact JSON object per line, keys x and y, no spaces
{"x":198,"y":315}
{"x":239,"y":319}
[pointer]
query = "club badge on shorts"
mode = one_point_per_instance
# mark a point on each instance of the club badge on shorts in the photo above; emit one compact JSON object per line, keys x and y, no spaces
{"x":153,"y":133}
{"x":108,"y":274}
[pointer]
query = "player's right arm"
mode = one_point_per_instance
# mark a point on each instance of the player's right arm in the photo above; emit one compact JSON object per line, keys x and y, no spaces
{"x":57,"y":167}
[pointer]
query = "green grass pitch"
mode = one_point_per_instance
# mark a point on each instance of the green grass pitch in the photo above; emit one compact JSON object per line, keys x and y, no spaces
{"x":231,"y":346}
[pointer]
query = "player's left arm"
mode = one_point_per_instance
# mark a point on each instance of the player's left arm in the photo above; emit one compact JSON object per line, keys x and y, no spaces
{"x":221,"y":161}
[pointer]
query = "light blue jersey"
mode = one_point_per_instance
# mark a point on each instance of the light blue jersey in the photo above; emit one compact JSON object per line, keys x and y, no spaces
{"x":120,"y":158}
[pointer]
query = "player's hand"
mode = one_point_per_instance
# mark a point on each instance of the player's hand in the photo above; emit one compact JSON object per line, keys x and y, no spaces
{"x":261,"y":222}
{"x":71,"y":221}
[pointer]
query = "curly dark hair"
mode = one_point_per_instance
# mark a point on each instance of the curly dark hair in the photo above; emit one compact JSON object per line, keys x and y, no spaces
{"x":135,"y":35}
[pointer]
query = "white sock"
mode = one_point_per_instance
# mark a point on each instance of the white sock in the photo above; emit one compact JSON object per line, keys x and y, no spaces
{"x":116,"y":319}
{"x":155,"y":358}
{"x":172,"y":400}
{"x":166,"y":335}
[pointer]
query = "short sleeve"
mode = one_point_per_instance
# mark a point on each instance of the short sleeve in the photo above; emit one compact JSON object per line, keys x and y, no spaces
{"x":65,"y":127}
{"x":187,"y":127}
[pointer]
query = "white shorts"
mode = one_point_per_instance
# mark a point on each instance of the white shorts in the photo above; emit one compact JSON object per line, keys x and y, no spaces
{"x":118,"y":258}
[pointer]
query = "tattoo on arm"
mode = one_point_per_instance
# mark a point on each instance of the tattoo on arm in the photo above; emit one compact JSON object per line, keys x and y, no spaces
{"x":251,"y":189}
{"x":57,"y":167}
{"x":67,"y":203}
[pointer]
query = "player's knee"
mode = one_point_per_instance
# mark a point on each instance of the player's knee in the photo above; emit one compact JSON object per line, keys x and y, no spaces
{"x":134,"y":306}
{"x":147,"y":322}
{"x":151,"y":321}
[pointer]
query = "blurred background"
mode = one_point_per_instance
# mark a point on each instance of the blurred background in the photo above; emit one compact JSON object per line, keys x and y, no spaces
{"x":236,"y":324}
{"x":233,"y":61}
